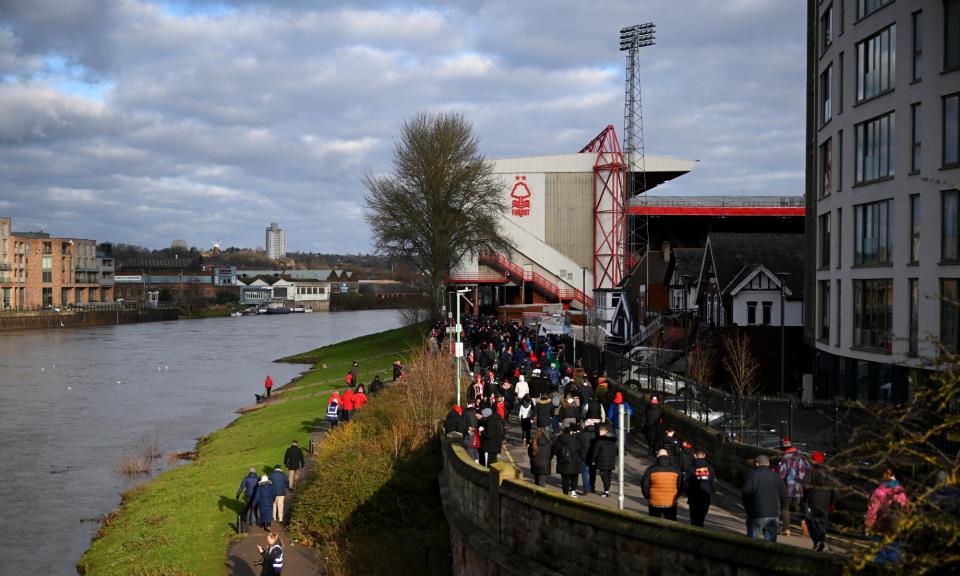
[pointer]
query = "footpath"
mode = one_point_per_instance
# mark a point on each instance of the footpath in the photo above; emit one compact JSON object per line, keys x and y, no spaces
{"x":726,"y":512}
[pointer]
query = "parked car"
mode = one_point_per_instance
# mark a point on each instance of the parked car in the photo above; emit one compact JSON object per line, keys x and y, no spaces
{"x":694,"y":409}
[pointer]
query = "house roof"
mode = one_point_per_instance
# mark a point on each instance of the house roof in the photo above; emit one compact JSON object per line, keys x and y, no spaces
{"x":683,"y":262}
{"x":735,"y":256}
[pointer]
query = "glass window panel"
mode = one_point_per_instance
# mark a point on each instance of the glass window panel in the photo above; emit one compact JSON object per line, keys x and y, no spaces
{"x":951,"y":129}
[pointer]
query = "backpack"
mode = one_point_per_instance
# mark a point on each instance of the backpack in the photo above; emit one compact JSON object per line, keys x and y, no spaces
{"x":888,"y":515}
{"x":563,"y":453}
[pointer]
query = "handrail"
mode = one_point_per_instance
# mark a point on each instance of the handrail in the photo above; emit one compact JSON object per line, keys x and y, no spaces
{"x":551,"y":288}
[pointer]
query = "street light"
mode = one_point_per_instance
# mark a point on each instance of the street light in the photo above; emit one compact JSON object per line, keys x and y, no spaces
{"x":781,"y":276}
{"x":458,"y":352}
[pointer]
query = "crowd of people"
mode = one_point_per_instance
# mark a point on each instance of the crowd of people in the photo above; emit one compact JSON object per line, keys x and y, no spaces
{"x":568,"y":416}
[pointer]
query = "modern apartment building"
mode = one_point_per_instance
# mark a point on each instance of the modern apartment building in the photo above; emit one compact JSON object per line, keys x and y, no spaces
{"x":883,"y":192}
{"x":37,"y":270}
{"x":276,"y":242}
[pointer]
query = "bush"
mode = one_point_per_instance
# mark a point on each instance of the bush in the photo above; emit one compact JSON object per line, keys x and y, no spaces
{"x":379,"y":471}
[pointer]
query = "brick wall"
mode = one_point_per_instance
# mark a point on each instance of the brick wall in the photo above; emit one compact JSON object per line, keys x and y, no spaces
{"x":502,"y":524}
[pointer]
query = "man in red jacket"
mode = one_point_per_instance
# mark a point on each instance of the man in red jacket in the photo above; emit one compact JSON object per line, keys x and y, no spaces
{"x":346,"y":404}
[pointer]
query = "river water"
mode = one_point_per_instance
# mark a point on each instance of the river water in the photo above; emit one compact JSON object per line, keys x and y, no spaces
{"x":73,"y":401}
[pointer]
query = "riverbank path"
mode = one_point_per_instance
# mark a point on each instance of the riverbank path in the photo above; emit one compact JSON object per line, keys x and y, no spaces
{"x":726,"y":512}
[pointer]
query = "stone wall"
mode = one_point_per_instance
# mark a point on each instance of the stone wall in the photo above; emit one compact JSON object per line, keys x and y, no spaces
{"x":76,"y":318}
{"x":503,"y":524}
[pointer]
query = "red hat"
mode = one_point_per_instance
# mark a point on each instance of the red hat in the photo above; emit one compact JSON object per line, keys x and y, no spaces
{"x":687,"y":444}
{"x":817,"y":457}
{"x":458,"y":408}
{"x":618,"y":399}
{"x":653,"y":400}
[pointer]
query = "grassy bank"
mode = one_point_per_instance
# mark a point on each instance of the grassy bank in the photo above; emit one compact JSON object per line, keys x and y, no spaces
{"x":372,"y":506}
{"x":181,"y":522}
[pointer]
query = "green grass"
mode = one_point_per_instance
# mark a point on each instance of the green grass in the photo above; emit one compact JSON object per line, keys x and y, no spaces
{"x":181,"y":522}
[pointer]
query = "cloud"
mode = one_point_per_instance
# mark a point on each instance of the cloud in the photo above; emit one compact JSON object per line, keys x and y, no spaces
{"x":204,"y":120}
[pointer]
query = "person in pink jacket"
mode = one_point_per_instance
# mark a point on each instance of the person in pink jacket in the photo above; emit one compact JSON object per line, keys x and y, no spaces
{"x":883,"y":511}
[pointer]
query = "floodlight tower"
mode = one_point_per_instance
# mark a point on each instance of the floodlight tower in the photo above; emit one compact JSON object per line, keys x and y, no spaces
{"x":632,"y":38}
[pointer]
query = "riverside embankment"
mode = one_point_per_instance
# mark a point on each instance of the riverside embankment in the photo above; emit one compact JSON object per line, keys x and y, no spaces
{"x":75,"y":401}
{"x":181,"y":522}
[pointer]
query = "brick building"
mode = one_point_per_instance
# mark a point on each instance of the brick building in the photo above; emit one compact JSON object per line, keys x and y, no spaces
{"x":37,"y":270}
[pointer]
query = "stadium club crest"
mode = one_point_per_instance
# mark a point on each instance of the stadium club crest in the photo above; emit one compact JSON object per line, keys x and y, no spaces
{"x":521,"y":196}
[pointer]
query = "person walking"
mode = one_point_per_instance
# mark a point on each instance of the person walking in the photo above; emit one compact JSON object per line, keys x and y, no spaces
{"x":603,"y":458}
{"x":492,"y":434}
{"x":346,"y":404}
{"x":397,"y":370}
{"x":263,"y":501}
{"x":247,"y":487}
{"x":471,"y":436}
{"x":268,"y":385}
{"x":540,"y":452}
{"x":333,"y":409}
{"x":376,"y":386}
{"x":272,"y":556}
{"x":522,"y":388}
{"x":820,"y":494}
{"x":567,"y":449}
{"x":652,"y":418}
{"x":660,"y":485}
{"x":454,"y":420}
{"x":293,"y":460}
{"x":887,"y":503}
{"x":588,"y":437}
{"x":544,"y":411}
{"x":763,"y":493}
{"x":671,"y":443}
{"x":279,"y":482}
{"x":354,"y":373}
{"x":526,"y":420}
{"x":793,"y":469}
{"x":359,"y":398}
{"x":700,"y":483}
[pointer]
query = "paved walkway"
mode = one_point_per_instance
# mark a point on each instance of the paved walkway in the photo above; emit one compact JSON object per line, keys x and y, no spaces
{"x":726,"y":512}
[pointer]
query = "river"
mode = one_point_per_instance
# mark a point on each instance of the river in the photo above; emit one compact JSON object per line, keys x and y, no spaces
{"x":73,"y":401}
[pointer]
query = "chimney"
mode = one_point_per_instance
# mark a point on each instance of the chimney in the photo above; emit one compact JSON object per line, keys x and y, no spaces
{"x":666,"y":251}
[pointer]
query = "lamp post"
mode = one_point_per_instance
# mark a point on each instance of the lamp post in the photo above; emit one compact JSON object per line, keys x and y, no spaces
{"x":781,"y":276}
{"x":458,"y":351}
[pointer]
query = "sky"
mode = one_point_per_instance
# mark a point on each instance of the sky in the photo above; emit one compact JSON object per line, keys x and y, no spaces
{"x":142,"y":122}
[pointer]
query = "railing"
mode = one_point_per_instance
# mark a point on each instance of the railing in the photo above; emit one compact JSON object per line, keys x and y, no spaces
{"x":544,"y":284}
{"x":477,"y":277}
{"x":723,"y":201}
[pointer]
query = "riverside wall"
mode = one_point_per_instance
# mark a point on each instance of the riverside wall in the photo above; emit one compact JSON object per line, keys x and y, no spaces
{"x":501,"y":524}
{"x":77,"y":318}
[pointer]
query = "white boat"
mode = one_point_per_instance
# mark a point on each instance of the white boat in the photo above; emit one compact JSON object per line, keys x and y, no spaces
{"x":236,"y":314}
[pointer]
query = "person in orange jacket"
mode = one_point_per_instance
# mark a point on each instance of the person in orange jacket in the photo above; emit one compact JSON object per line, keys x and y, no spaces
{"x":359,"y":398}
{"x":346,"y":404}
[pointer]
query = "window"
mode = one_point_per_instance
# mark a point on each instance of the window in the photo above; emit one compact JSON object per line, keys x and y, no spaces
{"x":914,"y":228}
{"x":48,"y":296}
{"x":824,"y":302}
{"x":866,"y":7}
{"x":917,"y":46}
{"x":839,"y":237}
{"x":949,"y":249}
{"x":916,"y":128}
{"x":951,"y":35}
{"x":48,"y":248}
{"x":826,"y":29}
{"x":751,"y":313}
{"x":839,"y":313}
{"x":826,"y":167}
{"x":47,"y":262}
{"x":949,"y":311}
{"x":826,"y":94}
{"x":876,"y":63}
{"x":913,"y":339}
{"x":951,"y":130}
{"x":873,"y":233}
{"x":47,"y":277}
{"x":824,"y":240}
{"x":872,"y":314}
{"x":840,"y":85}
{"x":843,"y":13}
{"x":839,"y":160}
{"x":875,"y":148}
{"x":767,"y":312}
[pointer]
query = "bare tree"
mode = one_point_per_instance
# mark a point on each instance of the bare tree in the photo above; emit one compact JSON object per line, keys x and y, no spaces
{"x":742,"y":366}
{"x":701,"y":365}
{"x":442,"y":201}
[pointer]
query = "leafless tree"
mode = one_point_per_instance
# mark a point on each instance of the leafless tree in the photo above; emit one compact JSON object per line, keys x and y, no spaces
{"x":742,"y":366}
{"x":442,"y":201}
{"x":701,"y":365}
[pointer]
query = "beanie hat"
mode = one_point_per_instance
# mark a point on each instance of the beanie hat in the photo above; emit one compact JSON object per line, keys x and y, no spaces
{"x":618,"y":398}
{"x":652,"y":400}
{"x":264,"y":479}
{"x":458,"y":409}
{"x":786,"y":442}
{"x":817,"y":457}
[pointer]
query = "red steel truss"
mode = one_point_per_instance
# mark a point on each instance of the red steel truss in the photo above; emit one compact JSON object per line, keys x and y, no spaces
{"x":610,"y":230}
